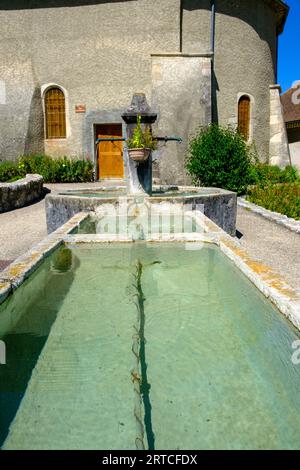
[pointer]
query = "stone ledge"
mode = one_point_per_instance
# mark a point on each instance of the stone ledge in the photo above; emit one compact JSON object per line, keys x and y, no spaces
{"x":280,"y":219}
{"x":272,"y":285}
{"x":20,"y":193}
{"x":207,"y":54}
{"x":5,"y":289}
{"x":219,"y":205}
{"x":275,"y":87}
{"x":19,"y":270}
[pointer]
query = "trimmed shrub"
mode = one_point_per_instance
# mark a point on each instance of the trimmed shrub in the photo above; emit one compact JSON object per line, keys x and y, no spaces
{"x":219,"y":157}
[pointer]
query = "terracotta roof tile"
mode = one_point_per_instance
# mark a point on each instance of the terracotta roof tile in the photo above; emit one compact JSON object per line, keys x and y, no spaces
{"x":291,"y":109}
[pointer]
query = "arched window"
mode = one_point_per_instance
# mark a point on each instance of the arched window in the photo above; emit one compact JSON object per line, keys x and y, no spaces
{"x":244,"y":116}
{"x":55,"y":113}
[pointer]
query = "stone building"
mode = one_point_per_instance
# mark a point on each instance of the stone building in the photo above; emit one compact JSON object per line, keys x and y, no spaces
{"x":291,"y":108}
{"x":69,"y":68}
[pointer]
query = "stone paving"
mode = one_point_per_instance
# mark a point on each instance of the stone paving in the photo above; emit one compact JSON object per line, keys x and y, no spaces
{"x":20,"y":229}
{"x":280,"y":219}
{"x":271,"y":244}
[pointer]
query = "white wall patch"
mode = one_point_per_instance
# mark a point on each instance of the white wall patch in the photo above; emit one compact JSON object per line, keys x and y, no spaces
{"x":2,"y":92}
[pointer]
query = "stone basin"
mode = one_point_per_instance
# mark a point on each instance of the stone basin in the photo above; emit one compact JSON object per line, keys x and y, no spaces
{"x":217,"y":204}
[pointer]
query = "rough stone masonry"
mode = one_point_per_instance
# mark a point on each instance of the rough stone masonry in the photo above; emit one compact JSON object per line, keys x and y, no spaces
{"x":193,"y":62}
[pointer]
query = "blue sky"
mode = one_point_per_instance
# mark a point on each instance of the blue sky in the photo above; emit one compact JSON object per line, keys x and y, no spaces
{"x":289,"y":48}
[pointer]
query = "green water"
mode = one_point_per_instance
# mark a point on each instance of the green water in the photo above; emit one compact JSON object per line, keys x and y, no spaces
{"x":26,"y":319}
{"x":108,"y":194}
{"x":100,"y":194}
{"x":139,"y":227}
{"x":215,"y":355}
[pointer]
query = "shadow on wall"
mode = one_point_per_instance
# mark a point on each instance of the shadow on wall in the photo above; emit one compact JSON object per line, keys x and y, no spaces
{"x":241,"y":10}
{"x":237,"y":9}
{"x":214,"y":89}
{"x":294,"y":135}
{"x":31,"y":4}
{"x":194,"y":5}
{"x":34,"y":141}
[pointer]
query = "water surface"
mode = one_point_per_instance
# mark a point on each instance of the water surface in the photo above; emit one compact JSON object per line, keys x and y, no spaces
{"x":216,"y":363}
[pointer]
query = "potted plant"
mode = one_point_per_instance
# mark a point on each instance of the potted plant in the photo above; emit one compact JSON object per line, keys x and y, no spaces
{"x":141,"y":143}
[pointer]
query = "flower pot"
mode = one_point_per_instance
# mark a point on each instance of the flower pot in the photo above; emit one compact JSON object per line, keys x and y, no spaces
{"x":139,"y":155}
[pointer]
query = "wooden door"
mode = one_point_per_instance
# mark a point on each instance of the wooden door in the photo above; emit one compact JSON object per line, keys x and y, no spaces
{"x":110,"y":154}
{"x":244,"y":117}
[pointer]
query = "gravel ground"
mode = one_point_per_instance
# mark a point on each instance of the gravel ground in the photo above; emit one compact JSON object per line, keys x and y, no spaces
{"x":264,"y":240}
{"x":272,"y":244}
{"x":22,"y":228}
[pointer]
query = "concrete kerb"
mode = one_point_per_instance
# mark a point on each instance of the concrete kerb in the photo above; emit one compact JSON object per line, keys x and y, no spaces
{"x":280,"y":219}
{"x":272,"y":285}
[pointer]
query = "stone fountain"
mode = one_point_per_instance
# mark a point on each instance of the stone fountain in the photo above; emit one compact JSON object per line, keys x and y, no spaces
{"x":217,"y":204}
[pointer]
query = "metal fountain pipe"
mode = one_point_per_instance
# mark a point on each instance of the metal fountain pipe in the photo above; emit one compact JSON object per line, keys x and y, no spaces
{"x":139,"y":177}
{"x":168,"y":139}
{"x":122,"y":139}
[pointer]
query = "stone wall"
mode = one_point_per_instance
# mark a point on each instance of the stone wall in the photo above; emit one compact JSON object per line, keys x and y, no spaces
{"x":245,"y":63}
{"x":279,"y":149}
{"x":21,"y":192}
{"x":98,"y":52}
{"x":181,"y":94}
{"x":101,"y":53}
{"x":196,"y":26}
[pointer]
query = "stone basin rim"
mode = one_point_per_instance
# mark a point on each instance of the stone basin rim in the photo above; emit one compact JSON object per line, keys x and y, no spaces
{"x":195,"y":190}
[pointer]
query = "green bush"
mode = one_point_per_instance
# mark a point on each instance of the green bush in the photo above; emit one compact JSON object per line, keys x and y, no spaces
{"x":219,"y":157}
{"x":58,"y":170}
{"x":53,"y":170}
{"x":263,"y":174}
{"x":282,"y":198}
{"x":38,"y":164}
{"x":9,"y":171}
